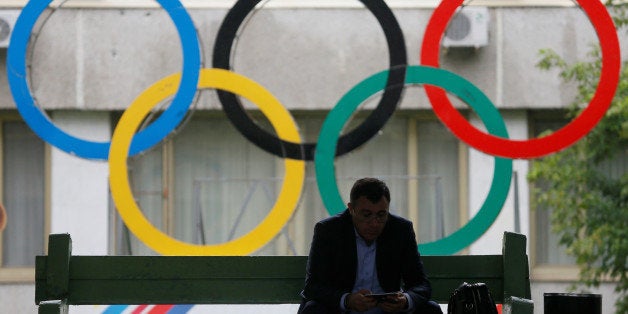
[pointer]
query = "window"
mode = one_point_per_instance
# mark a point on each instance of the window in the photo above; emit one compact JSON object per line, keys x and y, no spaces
{"x":548,"y":251}
{"x":24,"y":197}
{"x":549,"y":258}
{"x":439,"y":157}
{"x":208,"y":184}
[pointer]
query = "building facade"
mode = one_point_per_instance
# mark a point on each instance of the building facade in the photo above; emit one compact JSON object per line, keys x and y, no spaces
{"x":215,"y":173}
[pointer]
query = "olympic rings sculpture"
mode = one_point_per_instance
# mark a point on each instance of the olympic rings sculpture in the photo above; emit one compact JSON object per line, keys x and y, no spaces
{"x":288,"y":144}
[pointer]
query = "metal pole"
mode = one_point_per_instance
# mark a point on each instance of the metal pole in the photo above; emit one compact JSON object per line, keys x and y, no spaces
{"x":516,"y":198}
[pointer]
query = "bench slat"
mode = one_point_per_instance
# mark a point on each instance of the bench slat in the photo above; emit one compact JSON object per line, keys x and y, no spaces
{"x":202,"y":291}
{"x":184,"y":267}
{"x":490,"y":266}
{"x":227,"y":291}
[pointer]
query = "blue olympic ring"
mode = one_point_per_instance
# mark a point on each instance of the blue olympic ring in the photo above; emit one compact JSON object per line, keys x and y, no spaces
{"x":153,"y":134}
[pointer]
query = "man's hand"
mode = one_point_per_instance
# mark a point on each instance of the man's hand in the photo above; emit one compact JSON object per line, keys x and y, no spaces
{"x":395,"y":303}
{"x":358,"y":302}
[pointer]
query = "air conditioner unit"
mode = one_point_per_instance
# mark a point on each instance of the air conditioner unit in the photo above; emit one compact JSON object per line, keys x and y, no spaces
{"x":7,"y":21}
{"x":468,"y":28}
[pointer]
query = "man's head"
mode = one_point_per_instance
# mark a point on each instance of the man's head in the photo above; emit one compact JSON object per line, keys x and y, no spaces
{"x":368,"y":206}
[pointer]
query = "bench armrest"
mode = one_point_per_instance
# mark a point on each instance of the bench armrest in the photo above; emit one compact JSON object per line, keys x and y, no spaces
{"x":515,"y":305}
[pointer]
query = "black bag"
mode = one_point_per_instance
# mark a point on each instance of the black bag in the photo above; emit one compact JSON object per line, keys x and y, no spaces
{"x":471,"y":298}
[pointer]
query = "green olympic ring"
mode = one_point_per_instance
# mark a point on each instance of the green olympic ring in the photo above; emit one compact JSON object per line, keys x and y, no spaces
{"x":467,"y":92}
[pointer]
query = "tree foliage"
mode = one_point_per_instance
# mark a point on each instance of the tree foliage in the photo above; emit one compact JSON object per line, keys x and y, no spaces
{"x":589,"y":206}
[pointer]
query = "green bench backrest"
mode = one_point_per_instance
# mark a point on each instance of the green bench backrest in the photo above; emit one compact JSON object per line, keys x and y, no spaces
{"x":240,"y":279}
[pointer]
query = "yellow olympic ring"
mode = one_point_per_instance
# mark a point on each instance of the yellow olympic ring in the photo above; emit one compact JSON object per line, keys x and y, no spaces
{"x":154,"y":238}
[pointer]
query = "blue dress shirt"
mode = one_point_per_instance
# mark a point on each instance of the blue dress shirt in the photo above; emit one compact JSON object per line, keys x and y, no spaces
{"x":366,"y":277}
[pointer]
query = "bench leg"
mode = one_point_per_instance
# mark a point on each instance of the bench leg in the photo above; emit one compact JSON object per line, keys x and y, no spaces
{"x":53,"y":307}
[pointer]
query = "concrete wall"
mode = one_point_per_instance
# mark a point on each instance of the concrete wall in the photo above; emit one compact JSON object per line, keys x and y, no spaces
{"x":107,"y":57}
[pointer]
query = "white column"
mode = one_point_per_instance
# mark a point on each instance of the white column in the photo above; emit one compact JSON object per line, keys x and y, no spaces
{"x":79,"y":187}
{"x":481,"y":169}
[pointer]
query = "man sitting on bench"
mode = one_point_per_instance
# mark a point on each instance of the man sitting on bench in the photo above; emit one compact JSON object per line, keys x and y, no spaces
{"x":362,"y":253}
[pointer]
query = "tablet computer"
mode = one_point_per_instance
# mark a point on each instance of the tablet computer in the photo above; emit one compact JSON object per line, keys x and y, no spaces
{"x":383,"y":297}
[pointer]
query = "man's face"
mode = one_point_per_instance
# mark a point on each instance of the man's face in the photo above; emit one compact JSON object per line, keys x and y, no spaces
{"x":369,"y":218}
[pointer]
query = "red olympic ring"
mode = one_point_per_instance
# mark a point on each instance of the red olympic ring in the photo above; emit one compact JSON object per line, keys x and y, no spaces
{"x":571,"y":133}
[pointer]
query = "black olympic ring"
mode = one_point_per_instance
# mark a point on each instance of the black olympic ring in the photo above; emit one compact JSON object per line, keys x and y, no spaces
{"x":305,"y":151}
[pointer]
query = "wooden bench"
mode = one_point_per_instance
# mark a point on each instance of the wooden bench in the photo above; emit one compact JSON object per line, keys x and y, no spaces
{"x":63,"y":279}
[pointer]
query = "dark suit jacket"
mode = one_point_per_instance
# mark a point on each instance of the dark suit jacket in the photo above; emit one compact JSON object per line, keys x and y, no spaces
{"x":332,"y":264}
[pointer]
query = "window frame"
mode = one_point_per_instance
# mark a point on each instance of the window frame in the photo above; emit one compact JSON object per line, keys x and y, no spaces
{"x":540,"y":271}
{"x":463,"y":167}
{"x":24,"y":274}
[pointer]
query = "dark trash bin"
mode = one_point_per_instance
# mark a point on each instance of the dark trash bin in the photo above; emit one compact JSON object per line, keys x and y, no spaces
{"x":572,"y":303}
